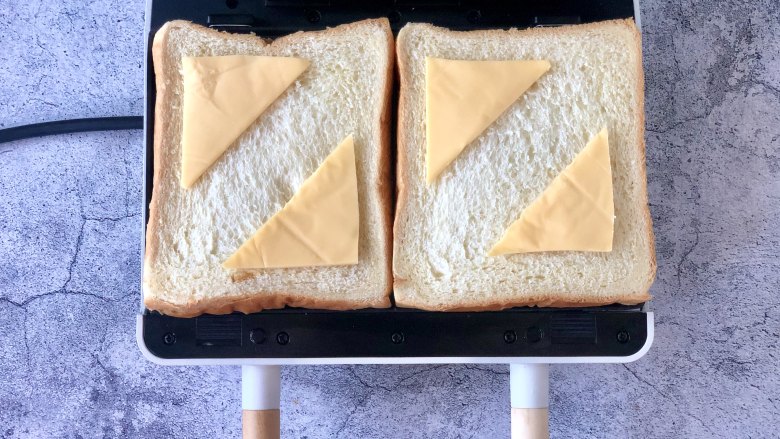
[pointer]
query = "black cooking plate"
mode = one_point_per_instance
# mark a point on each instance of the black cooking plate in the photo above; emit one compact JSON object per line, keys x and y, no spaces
{"x":395,"y":332}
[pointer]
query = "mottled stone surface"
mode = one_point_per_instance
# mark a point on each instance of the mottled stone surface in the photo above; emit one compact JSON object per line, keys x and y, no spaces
{"x":69,"y":256}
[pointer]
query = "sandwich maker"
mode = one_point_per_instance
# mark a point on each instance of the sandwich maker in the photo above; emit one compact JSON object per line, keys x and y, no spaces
{"x":527,"y":338}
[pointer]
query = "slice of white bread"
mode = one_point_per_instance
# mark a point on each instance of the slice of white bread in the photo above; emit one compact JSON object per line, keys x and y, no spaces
{"x":443,"y":231}
{"x":191,"y":232}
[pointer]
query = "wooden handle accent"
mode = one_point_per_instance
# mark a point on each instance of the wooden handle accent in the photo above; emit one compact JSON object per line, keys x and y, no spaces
{"x":260,"y":424}
{"x":530,"y":423}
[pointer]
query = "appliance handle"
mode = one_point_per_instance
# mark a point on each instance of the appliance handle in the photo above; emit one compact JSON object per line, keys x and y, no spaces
{"x":529,"y":388}
{"x":260,"y":392}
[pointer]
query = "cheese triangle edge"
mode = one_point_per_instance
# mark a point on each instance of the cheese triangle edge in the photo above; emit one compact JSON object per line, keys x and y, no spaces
{"x":222,"y":97}
{"x":464,"y":97}
{"x":574,"y":213}
{"x":318,"y":226}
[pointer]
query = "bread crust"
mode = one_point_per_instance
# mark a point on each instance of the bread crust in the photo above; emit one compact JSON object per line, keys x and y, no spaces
{"x":384,"y":185}
{"x":549,"y":299}
{"x":257,"y":301}
{"x":249,"y":303}
{"x":400,"y":150}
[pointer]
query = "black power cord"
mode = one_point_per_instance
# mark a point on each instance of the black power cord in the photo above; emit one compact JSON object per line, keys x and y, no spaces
{"x":71,"y":126}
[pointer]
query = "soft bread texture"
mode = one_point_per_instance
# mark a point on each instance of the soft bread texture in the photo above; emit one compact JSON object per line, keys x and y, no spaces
{"x":443,"y":231}
{"x":190,"y":232}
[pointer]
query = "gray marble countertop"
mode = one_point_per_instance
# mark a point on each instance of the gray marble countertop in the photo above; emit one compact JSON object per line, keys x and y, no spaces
{"x":70,"y":259}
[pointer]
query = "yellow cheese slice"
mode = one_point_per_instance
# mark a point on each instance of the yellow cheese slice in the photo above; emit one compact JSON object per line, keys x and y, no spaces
{"x":223,"y":95}
{"x":575,"y":213}
{"x":462,"y":98}
{"x":318,"y":226}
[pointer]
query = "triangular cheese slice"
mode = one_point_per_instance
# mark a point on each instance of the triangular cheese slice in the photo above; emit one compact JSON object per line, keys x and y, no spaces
{"x":462,"y":98}
{"x":575,"y":213}
{"x":318,"y":226}
{"x":223,"y":95}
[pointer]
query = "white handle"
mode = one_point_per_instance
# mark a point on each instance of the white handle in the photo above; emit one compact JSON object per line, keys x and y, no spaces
{"x":260,"y":393}
{"x":529,"y":388}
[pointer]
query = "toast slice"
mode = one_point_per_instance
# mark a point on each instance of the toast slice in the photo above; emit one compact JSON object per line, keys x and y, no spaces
{"x":444,"y":230}
{"x":191,"y":232}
